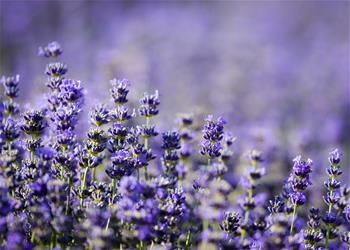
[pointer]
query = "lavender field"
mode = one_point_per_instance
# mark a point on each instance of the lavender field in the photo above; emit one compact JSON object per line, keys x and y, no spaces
{"x":174,"y":125}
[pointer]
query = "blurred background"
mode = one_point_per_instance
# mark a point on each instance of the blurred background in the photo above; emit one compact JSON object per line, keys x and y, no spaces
{"x":277,"y":71}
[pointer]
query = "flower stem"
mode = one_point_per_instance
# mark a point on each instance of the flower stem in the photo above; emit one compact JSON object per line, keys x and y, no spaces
{"x":329,"y":211}
{"x":83,"y":184}
{"x":68,"y":194}
{"x":146,"y":146}
{"x":53,"y":240}
{"x":94,"y":174}
{"x":188,"y":239}
{"x":293,"y":219}
{"x":114,"y":184}
{"x":145,"y":168}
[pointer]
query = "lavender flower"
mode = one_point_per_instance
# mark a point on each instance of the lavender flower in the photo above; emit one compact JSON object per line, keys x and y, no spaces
{"x":61,"y":188}
{"x":119,"y":91}
{"x":213,"y":133}
{"x":11,"y":92}
{"x":312,"y":233}
{"x":11,"y":86}
{"x":53,"y":49}
{"x":332,"y":198}
{"x":148,"y":108}
{"x":298,"y":181}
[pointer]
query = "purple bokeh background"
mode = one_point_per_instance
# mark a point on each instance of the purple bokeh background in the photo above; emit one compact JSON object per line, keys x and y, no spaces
{"x":278,"y":71}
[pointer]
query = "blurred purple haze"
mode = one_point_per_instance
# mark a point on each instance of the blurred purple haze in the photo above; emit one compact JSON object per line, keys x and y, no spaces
{"x":278,"y":71}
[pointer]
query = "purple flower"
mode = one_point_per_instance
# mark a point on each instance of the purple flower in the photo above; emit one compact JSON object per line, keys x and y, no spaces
{"x":149,"y":105}
{"x":34,"y":122}
{"x":11,"y":86}
{"x":56,"y":69}
{"x":211,"y":150}
{"x":119,"y":90}
{"x":171,"y":140}
{"x":53,"y":49}
{"x":213,"y":130}
{"x":334,"y":157}
{"x":100,"y":115}
{"x":302,"y":168}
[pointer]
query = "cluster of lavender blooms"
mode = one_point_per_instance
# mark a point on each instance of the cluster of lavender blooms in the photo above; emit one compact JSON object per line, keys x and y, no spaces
{"x":116,"y":188}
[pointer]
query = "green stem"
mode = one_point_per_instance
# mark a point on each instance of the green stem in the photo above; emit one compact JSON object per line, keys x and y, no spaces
{"x":205,"y":224}
{"x":83,"y":184}
{"x":68,"y":194}
{"x":328,"y":230}
{"x":145,"y":168}
{"x":244,"y":232}
{"x":188,"y":239}
{"x":32,"y":239}
{"x":293,"y":218}
{"x":114,"y":184}
{"x":146,"y":142}
{"x":53,"y":240}
{"x":94,"y":174}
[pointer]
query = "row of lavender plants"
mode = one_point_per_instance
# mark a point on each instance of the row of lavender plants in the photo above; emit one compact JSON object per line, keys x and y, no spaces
{"x":109,"y":190}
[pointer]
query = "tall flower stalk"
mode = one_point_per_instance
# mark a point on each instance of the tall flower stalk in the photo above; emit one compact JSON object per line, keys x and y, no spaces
{"x":298,"y":181}
{"x":255,"y":172}
{"x":332,"y":198}
{"x":148,"y":108}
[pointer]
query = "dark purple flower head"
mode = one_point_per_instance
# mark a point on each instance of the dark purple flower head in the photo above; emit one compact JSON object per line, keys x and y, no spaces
{"x":299,"y":184}
{"x":55,"y":83}
{"x":72,"y":92}
{"x":122,"y":165}
{"x":65,"y":118}
{"x":147,"y":131}
{"x":53,"y":49}
{"x":213,"y":130}
{"x":120,"y":90}
{"x":95,"y":147}
{"x":56,"y":69}
{"x":34,"y":122}
{"x":10,"y":130}
{"x":171,"y":140}
{"x":334,"y":157}
{"x":332,"y":184}
{"x":121,"y":114}
{"x":66,"y":136}
{"x":231,"y":223}
{"x":302,"y":168}
{"x":277,"y":205}
{"x":133,"y":136}
{"x":255,"y":156}
{"x":32,"y":144}
{"x":10,"y":85}
{"x":89,"y":160}
{"x":100,"y":115}
{"x":229,"y":139}
{"x":149,"y":105}
{"x":331,"y":199}
{"x":97,"y":135}
{"x":66,"y":159}
{"x":121,"y":157}
{"x":118,"y":131}
{"x":297,"y":198}
{"x":345,"y":237}
{"x":211,"y":150}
